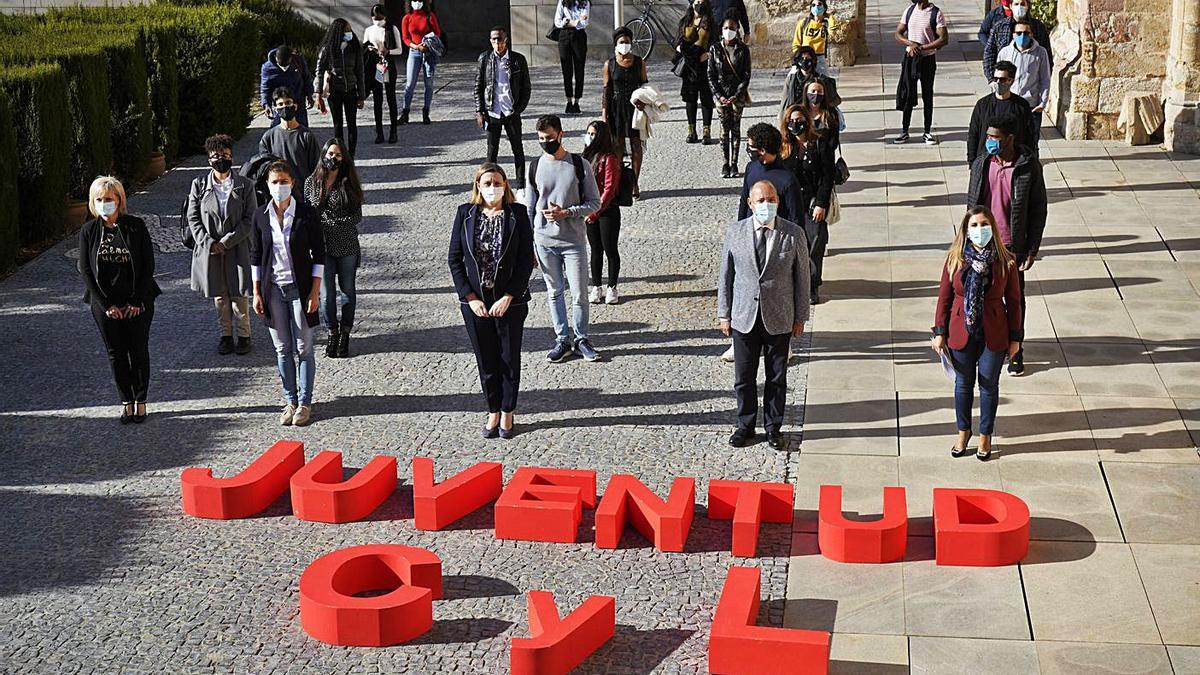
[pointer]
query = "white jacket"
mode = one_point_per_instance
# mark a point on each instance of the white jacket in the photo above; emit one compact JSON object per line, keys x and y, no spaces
{"x":654,"y":108}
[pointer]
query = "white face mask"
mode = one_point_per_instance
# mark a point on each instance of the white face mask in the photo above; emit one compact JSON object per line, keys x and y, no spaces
{"x":106,"y":209}
{"x":381,"y":22}
{"x":280,"y":191}
{"x":624,"y":48}
{"x":418,"y":5}
{"x":1020,"y":11}
{"x":491,"y":195}
{"x":729,"y":35}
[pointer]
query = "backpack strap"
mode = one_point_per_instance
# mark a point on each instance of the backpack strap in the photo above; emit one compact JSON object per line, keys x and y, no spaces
{"x":908,"y":14}
{"x":533,"y":170}
{"x":933,"y":17}
{"x":578,"y":162}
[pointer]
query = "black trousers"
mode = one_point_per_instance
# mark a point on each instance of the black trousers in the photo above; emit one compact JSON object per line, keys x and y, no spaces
{"x":602,"y":242}
{"x":128,"y":345}
{"x":497,"y":345}
{"x":816,"y":254}
{"x":773,"y":349}
{"x":344,"y":108}
{"x":572,"y":55}
{"x":511,"y":126}
{"x":928,"y":67}
{"x":697,"y":91}
{"x":379,"y":88}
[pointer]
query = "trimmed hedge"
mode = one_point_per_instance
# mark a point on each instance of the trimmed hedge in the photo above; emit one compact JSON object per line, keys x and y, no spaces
{"x":41,"y":126}
{"x":163,"y":74}
{"x":129,"y":101}
{"x":10,"y":236}
{"x":279,"y":22}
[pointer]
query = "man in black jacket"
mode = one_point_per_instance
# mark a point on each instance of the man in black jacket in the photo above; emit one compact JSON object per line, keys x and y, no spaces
{"x":1000,"y":102}
{"x":1007,"y":180}
{"x":501,"y":94}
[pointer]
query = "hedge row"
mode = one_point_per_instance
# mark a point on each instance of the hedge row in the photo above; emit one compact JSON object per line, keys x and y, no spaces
{"x":10,"y":236}
{"x":42,"y":130}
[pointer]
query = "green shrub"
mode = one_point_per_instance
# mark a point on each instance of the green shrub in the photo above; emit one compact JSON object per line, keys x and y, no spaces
{"x":41,"y":127}
{"x":1046,"y":11}
{"x":10,"y":237}
{"x":87,"y":98}
{"x":164,"y":88}
{"x":129,"y":102}
{"x":278,"y":21}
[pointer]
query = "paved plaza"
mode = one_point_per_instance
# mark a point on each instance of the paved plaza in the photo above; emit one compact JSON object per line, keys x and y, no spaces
{"x":101,"y":571}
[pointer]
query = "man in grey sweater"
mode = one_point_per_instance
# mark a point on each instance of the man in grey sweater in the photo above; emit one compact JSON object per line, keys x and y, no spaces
{"x":291,"y":141}
{"x":561,"y":192}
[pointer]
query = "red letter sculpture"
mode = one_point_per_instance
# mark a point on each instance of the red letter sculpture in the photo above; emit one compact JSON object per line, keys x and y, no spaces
{"x":554,"y":645}
{"x":737,"y":646}
{"x":436,"y":506}
{"x":852,"y":541}
{"x":664,"y":523}
{"x":545,"y":504}
{"x":320,"y":495}
{"x":330,"y":613}
{"x":979,"y":528}
{"x":748,"y":504}
{"x":247,"y":493}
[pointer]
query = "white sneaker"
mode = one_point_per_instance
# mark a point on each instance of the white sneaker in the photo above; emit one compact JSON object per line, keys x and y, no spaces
{"x":929,"y":139}
{"x":303,"y":415}
{"x":289,"y":412}
{"x":595,"y":296}
{"x":611,"y":297}
{"x":727,"y":357}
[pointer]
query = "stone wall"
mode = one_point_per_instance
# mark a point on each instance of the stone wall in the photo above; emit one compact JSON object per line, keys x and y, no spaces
{"x":773,"y":22}
{"x":1103,"y":50}
{"x":1181,"y":90}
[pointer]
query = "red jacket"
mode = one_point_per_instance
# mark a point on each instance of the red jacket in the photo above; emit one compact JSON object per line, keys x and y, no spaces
{"x":608,"y":179}
{"x":1001,"y":310}
{"x":416,"y":25}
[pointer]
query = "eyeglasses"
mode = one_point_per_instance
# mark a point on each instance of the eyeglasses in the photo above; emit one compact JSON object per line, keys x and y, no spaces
{"x":1021,"y":32}
{"x":1002,"y":78}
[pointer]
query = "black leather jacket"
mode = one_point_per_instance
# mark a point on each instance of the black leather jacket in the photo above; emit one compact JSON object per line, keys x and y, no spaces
{"x":726,"y":82}
{"x":345,"y":69}
{"x":485,"y":81}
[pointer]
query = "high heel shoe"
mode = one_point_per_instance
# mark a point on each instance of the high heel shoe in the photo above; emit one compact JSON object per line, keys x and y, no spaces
{"x":126,"y":413}
{"x":983,"y":456}
{"x":956,"y":451}
{"x":489,"y":432}
{"x":138,"y":418}
{"x":506,"y":433}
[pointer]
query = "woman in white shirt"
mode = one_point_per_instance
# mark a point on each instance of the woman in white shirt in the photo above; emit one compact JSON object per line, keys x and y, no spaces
{"x":383,"y":45}
{"x":571,"y":20}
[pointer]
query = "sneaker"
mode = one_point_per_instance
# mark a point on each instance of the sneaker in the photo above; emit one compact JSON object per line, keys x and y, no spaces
{"x":1016,"y":365}
{"x":727,"y":355}
{"x":288,"y":414}
{"x":725,"y":170}
{"x":303,"y":415}
{"x":595,"y":296}
{"x":586,"y":351}
{"x":901,"y":139}
{"x":225,"y":346}
{"x":611,"y":297}
{"x":243,"y":346}
{"x":560,"y":352}
{"x":929,"y":139}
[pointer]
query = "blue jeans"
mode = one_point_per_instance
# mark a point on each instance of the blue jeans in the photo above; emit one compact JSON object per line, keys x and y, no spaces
{"x":565,"y":266}
{"x":417,"y":62}
{"x":976,"y":358}
{"x":339,"y":274}
{"x":292,"y":337}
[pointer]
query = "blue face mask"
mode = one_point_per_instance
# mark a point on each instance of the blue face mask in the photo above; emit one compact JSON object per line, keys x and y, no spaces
{"x":980,"y":236}
{"x":347,"y":36}
{"x":993,"y":146}
{"x":765,"y":211}
{"x":1022,"y":41}
{"x":106,"y":209}
{"x":818,"y":10}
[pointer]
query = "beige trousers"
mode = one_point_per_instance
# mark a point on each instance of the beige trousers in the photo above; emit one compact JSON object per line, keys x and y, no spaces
{"x":230,"y":308}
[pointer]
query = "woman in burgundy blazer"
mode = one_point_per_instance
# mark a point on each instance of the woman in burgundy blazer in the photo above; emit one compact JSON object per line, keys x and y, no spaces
{"x":978,"y":318}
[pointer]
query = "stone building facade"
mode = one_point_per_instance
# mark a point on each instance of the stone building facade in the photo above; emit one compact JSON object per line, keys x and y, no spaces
{"x":1105,"y":49}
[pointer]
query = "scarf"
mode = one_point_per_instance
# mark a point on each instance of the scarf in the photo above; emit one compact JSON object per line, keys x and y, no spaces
{"x":489,"y":244}
{"x":976,"y":280}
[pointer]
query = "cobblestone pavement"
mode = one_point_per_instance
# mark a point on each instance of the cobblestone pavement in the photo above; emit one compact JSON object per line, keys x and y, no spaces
{"x":104,"y":572}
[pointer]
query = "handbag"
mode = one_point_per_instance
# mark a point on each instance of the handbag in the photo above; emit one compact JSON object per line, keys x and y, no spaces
{"x":554,"y":34}
{"x":835,"y":209}
{"x":679,"y":66}
{"x":841,"y":171}
{"x":625,"y":189}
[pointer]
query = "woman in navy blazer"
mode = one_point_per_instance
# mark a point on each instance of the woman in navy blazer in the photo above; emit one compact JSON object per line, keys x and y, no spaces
{"x":491,"y":258}
{"x":979,"y":318}
{"x":287,"y":254}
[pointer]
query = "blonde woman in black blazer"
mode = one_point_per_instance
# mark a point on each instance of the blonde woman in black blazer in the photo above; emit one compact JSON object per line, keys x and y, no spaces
{"x":116,"y":261}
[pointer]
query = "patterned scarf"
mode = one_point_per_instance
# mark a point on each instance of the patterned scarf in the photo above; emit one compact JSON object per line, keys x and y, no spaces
{"x":976,"y":280}
{"x":489,"y":243}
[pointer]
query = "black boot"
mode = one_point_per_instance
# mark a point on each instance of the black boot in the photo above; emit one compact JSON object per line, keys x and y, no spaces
{"x":331,"y":347}
{"x":425,"y":116}
{"x":392,"y":134}
{"x":403,"y":117}
{"x":378,"y":134}
{"x":343,"y":345}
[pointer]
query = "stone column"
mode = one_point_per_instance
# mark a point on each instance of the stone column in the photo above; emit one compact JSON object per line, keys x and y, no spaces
{"x":1181,"y":89}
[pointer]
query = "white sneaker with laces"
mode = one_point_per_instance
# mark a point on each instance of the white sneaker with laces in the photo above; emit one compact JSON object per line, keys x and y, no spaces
{"x":727,"y":356}
{"x":611,"y":297}
{"x":596,"y":295}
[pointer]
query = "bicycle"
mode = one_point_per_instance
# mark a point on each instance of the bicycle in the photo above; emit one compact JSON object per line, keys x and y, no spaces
{"x":645,"y":28}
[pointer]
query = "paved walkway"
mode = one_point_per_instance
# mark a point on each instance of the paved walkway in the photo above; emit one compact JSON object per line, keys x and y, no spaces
{"x":103,"y":572}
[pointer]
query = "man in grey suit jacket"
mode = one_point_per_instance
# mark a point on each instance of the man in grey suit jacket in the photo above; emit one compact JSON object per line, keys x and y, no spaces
{"x":763,"y":301}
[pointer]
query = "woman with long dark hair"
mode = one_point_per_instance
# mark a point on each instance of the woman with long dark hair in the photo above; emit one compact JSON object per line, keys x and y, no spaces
{"x":490,"y":260}
{"x":623,"y":74}
{"x":826,"y":119}
{"x":419,"y":22}
{"x":384,"y":46}
{"x":604,"y":226}
{"x":571,"y":20}
{"x":696,"y":33}
{"x":336,"y":193}
{"x":978,"y":318}
{"x":340,"y":79}
{"x":812,"y":161}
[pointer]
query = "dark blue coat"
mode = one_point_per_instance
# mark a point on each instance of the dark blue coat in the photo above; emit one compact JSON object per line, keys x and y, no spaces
{"x":516,"y":260}
{"x":298,"y":80}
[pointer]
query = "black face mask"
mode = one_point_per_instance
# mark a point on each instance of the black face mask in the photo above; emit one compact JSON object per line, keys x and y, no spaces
{"x":808,"y":64}
{"x":798,"y":128}
{"x":816,"y":99}
{"x":287,"y":114}
{"x":221,"y":165}
{"x":551,"y":146}
{"x":330,"y":163}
